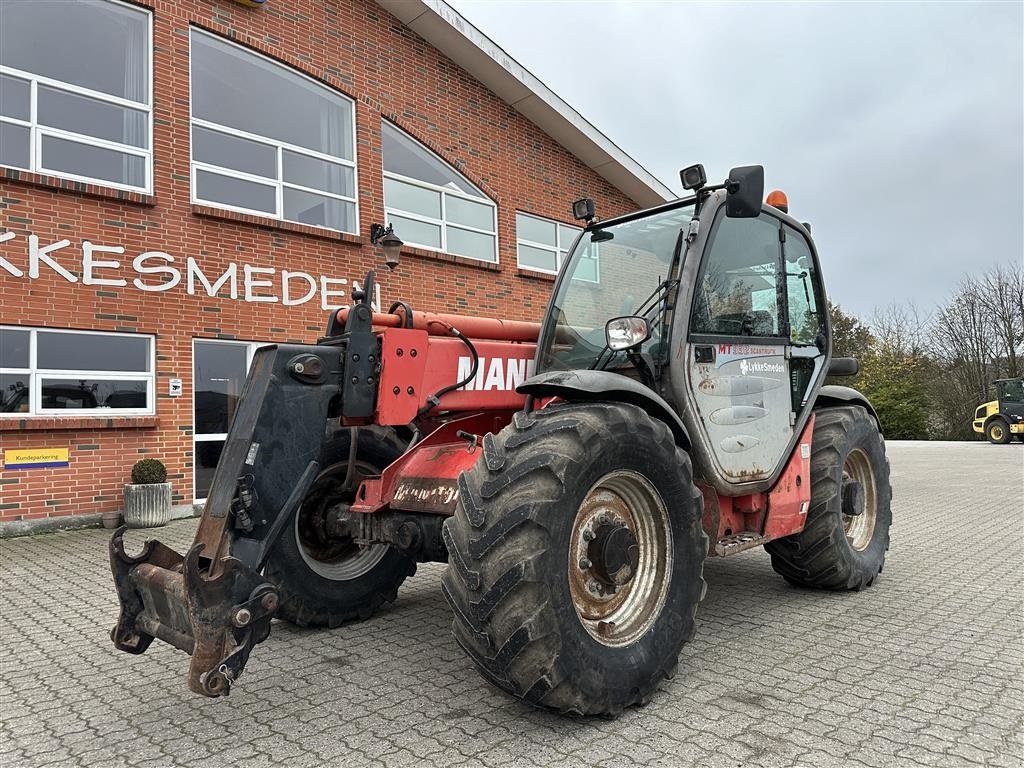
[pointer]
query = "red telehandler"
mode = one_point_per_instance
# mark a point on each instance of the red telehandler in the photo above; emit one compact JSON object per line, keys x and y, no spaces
{"x":573,"y":474}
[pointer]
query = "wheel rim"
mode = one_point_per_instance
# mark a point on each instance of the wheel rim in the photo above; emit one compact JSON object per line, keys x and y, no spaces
{"x":860,"y":528}
{"x":620,"y":558}
{"x":334,"y":559}
{"x":996,"y":431}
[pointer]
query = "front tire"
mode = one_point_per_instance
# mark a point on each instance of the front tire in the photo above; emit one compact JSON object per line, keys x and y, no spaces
{"x":846,"y":534}
{"x":575,"y":557}
{"x":326,"y":582}
{"x":998,"y":432}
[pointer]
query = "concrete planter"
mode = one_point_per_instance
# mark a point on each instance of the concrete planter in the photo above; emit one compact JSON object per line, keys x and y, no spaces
{"x":147,"y":506}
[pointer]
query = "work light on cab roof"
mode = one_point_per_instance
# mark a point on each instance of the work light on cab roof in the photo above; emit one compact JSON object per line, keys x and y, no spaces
{"x":584,"y":210}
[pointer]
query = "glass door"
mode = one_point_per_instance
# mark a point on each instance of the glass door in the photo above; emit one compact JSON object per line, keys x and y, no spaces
{"x":739,"y":367}
{"x":219,"y":371}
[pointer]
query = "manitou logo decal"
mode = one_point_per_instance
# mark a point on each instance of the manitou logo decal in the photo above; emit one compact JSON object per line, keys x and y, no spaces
{"x":748,"y":367}
{"x":496,"y":373}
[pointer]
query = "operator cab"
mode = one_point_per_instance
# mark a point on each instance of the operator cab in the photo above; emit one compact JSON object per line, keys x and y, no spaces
{"x":715,"y":303}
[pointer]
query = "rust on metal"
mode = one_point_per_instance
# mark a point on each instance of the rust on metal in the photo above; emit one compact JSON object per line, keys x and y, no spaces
{"x":217,"y":615}
{"x":620,"y":558}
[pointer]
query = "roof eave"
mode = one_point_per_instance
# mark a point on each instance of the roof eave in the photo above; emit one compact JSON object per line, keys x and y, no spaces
{"x":445,"y":29}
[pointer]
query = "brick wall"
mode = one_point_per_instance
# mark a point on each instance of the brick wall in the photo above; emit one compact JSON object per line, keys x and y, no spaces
{"x":354,"y":47}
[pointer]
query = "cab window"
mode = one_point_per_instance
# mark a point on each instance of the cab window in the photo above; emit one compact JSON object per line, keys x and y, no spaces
{"x":1011,"y":391}
{"x":801,"y":281}
{"x":738,"y":288}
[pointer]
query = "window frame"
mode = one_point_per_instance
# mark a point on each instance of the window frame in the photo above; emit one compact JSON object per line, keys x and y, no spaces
{"x":560,"y":253}
{"x":782,"y":338}
{"x":36,"y":375}
{"x":441,"y":223}
{"x":278,"y":184}
{"x":817,"y":286}
{"x":37,"y":131}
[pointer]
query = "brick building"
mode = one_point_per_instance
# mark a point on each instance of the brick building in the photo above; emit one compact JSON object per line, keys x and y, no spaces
{"x":183,"y":180}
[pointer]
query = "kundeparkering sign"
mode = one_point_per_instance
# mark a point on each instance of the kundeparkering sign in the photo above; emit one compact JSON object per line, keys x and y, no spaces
{"x":158,"y":271}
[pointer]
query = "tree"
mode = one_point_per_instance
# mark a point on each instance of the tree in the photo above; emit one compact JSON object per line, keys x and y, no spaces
{"x":892,"y":366}
{"x":976,"y":337}
{"x":850,"y":338}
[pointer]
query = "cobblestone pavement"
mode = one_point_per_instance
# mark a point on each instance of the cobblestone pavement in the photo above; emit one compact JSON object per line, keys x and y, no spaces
{"x":924,"y":668}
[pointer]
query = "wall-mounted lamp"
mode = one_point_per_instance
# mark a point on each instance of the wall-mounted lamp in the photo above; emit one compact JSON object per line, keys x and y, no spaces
{"x":389,"y":243}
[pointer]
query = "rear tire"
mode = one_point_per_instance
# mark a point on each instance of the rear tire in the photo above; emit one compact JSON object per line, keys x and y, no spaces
{"x":998,"y":431}
{"x":538,"y":618}
{"x":837,"y":550}
{"x":323,"y":582}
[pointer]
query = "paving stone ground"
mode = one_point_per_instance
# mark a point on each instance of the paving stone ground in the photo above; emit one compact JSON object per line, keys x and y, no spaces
{"x":924,"y":668}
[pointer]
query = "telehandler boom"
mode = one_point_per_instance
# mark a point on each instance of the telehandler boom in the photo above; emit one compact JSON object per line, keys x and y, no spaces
{"x":573,"y":474}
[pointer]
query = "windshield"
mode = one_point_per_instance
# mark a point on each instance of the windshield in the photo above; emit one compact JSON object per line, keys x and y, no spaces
{"x":1012,"y":390}
{"x":621,"y":269}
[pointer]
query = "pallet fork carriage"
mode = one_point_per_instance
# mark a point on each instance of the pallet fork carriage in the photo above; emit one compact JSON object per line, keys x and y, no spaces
{"x":573,"y":473}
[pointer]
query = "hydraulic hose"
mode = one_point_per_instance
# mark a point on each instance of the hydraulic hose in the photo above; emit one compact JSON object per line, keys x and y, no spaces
{"x":435,"y":399}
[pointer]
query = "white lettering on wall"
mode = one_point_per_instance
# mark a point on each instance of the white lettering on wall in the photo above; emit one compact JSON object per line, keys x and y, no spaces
{"x":326,"y":293}
{"x":251,"y":282}
{"x":37,"y":254}
{"x":193,"y":271}
{"x":139,"y":265}
{"x":4,"y":262}
{"x":90,"y":264}
{"x":286,"y":298}
{"x":158,"y":271}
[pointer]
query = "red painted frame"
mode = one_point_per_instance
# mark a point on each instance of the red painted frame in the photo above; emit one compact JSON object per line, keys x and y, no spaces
{"x":417,"y":362}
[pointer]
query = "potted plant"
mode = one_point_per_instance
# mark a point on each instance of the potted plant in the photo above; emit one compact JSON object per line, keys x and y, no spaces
{"x":147,"y":499}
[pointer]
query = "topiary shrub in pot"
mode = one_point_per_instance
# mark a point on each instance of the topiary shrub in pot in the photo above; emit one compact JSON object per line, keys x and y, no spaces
{"x":147,"y":498}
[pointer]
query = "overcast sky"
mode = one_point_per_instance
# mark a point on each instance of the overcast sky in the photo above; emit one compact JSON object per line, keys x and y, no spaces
{"x":896,"y":129}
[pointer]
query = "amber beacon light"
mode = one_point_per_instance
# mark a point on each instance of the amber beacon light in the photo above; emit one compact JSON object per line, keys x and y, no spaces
{"x":777,"y":199}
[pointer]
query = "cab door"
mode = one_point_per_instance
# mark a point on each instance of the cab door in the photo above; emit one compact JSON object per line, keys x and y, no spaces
{"x":753,"y":353}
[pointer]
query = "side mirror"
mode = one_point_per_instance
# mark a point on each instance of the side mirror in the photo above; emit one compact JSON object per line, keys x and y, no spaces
{"x":626,"y":332}
{"x":843,"y":366}
{"x":745,"y":189}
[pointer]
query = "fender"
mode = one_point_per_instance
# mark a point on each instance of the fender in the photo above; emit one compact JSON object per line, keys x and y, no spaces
{"x":1007,"y":419}
{"x":581,"y":386}
{"x":832,"y":395}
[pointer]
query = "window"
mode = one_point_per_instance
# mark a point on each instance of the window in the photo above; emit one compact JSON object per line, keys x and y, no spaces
{"x":1010,"y":391}
{"x":45,"y":372}
{"x":737,"y":291}
{"x":431,"y":205}
{"x":542,"y":245}
{"x":219,"y":371}
{"x":801,"y":280}
{"x":75,"y":90}
{"x":269,"y":140}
